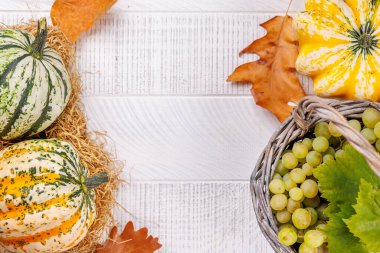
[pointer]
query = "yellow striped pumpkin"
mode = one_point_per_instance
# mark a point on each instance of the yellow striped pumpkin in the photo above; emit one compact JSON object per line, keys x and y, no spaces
{"x":47,"y":201}
{"x":339,"y":47}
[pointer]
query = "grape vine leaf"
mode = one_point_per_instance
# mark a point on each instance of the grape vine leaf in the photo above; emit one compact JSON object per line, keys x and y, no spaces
{"x":365,"y":224}
{"x":77,"y":16}
{"x":273,"y":76}
{"x":340,"y":182}
{"x":130,"y":241}
{"x":340,"y":239}
{"x":340,"y":179}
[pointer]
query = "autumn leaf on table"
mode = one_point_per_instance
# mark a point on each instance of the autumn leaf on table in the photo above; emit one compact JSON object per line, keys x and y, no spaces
{"x":129,"y":241}
{"x":273,"y":76}
{"x":77,"y":16}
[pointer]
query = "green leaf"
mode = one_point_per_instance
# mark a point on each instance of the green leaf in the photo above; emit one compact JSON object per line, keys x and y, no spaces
{"x":340,"y":182}
{"x":339,"y":237}
{"x":365,"y":224}
{"x":340,"y":179}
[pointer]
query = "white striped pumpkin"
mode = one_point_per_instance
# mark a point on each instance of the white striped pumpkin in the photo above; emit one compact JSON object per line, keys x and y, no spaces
{"x":47,"y":201}
{"x":34,"y":83}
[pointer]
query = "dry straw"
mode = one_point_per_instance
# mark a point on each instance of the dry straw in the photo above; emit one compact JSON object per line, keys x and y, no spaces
{"x":72,"y":127}
{"x":309,"y":111}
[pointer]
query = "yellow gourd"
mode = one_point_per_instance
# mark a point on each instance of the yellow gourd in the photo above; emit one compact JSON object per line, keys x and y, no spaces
{"x":339,"y":47}
{"x":47,"y":197}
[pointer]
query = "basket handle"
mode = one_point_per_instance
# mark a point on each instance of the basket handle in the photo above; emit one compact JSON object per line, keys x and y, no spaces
{"x":312,"y":104}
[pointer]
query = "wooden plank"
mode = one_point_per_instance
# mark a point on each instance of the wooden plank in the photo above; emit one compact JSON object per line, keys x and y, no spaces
{"x":163,"y":54}
{"x":170,"y":5}
{"x":190,"y":217}
{"x":167,"y":54}
{"x":183,"y":138}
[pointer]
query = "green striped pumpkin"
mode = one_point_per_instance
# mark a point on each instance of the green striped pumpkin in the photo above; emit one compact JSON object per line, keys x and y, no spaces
{"x":47,"y":201}
{"x":34,"y":83}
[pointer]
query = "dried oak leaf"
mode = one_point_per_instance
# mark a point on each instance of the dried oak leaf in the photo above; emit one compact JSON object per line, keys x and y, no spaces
{"x":77,"y":16}
{"x":129,"y":241}
{"x":273,"y":76}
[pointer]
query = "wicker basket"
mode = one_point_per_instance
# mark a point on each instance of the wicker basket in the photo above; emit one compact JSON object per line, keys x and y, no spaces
{"x":308,"y":112}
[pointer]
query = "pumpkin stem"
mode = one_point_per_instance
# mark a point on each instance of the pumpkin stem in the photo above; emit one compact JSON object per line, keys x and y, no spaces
{"x":38,"y":44}
{"x":98,"y":179}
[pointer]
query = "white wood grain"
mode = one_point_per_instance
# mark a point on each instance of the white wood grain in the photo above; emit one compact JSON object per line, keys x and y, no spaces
{"x":164,"y":54}
{"x":195,"y":217}
{"x":184,"y":138}
{"x":167,"y":54}
{"x":279,"y":6}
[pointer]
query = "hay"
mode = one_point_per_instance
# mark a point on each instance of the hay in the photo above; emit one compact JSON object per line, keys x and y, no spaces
{"x":72,"y":127}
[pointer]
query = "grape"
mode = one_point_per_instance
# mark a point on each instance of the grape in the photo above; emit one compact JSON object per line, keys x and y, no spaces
{"x":314,"y":215}
{"x":300,"y":150}
{"x":320,"y":144}
{"x":277,"y":186}
{"x":289,"y":161}
{"x":355,"y":124}
{"x":319,"y":222}
{"x":320,"y":211}
{"x":378,"y":145}
{"x":307,"y":169}
{"x":278,"y":202}
{"x":297,"y":175}
{"x":345,"y":145}
{"x":314,"y":158}
{"x":282,"y":226}
{"x":369,"y":135}
{"x":301,"y":218}
{"x":328,"y":158}
{"x":286,"y":177}
{"x":322,"y":129}
{"x":330,"y":151}
{"x":370,"y":117}
{"x":300,"y":235}
{"x":333,"y":131}
{"x":313,"y":202}
{"x":293,"y":205}
{"x":290,"y":184}
{"x":283,"y":216}
{"x":321,"y":227}
{"x":319,"y":187}
{"x":314,"y":238}
{"x":306,"y":249}
{"x":296,"y":194}
{"x":339,"y":153}
{"x":376,"y":130}
{"x":287,"y":236}
{"x":281,"y":169}
{"x":308,"y":143}
{"x":309,"y":188}
{"x":277,"y":176}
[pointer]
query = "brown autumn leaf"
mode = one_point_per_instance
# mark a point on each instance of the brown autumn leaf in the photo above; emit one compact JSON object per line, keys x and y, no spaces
{"x":77,"y":16}
{"x":273,"y":76}
{"x":129,"y":241}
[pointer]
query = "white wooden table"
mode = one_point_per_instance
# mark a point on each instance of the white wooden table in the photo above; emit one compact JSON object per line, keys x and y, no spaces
{"x":154,"y":79}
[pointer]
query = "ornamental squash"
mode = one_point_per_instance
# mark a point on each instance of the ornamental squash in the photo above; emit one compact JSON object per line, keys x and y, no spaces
{"x":339,"y":47}
{"x":47,"y":201}
{"x":34,"y":84}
